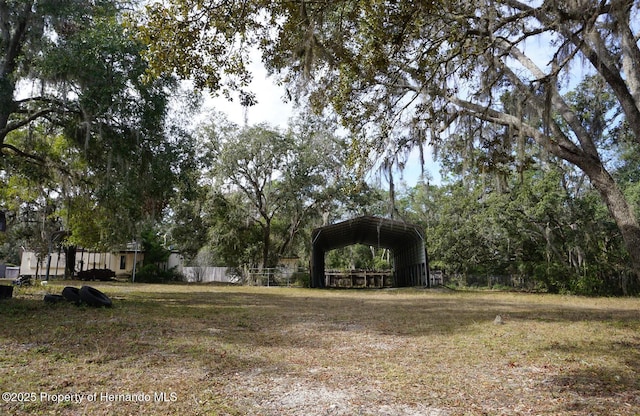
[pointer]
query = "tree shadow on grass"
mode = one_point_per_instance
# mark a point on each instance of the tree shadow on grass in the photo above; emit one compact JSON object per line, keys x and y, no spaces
{"x":276,"y":310}
{"x":595,"y":387}
{"x":220,"y":331}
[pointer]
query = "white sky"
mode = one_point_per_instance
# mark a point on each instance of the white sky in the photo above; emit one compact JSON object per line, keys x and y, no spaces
{"x":271,"y":107}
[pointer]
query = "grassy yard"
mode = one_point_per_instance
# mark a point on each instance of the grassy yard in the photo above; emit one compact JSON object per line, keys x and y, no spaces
{"x":206,"y":350}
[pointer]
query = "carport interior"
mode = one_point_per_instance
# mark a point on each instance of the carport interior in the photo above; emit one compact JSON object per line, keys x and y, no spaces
{"x":406,"y":242}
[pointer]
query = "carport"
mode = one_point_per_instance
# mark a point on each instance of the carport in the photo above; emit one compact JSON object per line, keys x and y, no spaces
{"x":406,"y":242}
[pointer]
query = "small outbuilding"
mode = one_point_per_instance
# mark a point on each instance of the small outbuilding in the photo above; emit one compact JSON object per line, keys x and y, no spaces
{"x":406,"y":242}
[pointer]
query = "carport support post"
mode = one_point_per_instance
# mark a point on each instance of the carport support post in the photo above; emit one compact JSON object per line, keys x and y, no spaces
{"x":317,"y":268}
{"x":317,"y":278}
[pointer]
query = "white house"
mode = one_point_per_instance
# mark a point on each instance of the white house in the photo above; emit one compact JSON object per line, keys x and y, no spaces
{"x":121,"y":262}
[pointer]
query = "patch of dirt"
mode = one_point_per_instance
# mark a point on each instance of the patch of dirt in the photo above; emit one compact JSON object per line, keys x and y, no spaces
{"x":294,"y":396}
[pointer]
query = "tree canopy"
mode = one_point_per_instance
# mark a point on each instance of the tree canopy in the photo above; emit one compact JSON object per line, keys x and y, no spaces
{"x":270,"y":178}
{"x":85,"y":137}
{"x":532,"y":109}
{"x":409,"y":74}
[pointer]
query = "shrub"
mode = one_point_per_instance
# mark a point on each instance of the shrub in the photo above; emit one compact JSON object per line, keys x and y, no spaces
{"x":151,"y":273}
{"x":302,"y":279}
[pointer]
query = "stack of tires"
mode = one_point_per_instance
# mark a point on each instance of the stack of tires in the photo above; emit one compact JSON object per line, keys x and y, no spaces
{"x":86,"y":295}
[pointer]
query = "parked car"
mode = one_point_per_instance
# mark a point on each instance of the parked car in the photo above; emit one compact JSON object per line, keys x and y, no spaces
{"x":97,"y":274}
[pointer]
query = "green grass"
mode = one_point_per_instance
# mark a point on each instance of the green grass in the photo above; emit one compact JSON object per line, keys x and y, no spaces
{"x":282,"y":351}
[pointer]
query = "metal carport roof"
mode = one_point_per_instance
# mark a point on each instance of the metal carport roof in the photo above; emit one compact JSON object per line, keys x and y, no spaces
{"x":406,"y":242}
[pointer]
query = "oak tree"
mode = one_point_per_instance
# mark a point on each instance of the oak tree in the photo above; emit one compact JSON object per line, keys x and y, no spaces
{"x":406,"y":74}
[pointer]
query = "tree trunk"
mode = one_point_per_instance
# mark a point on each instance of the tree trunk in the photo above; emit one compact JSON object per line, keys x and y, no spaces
{"x":6,"y":105}
{"x":14,"y":26}
{"x":70,"y":262}
{"x":266,"y":239}
{"x":392,"y":192}
{"x":587,"y":161}
{"x":621,"y":211}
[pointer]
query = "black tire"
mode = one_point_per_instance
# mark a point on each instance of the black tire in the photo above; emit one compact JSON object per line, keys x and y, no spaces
{"x":93,"y":297}
{"x":53,"y":298}
{"x":72,"y":294}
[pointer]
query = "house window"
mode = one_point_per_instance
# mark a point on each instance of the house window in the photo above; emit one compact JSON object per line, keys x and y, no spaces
{"x":123,"y":262}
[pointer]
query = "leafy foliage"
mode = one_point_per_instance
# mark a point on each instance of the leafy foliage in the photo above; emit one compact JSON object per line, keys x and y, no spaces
{"x":92,"y":138}
{"x":541,"y":229}
{"x":269,"y":182}
{"x":406,"y":74}
{"x":155,"y":258}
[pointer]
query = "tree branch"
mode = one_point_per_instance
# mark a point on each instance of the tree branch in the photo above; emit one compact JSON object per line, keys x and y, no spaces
{"x":21,"y":123}
{"x":585,"y":139}
{"x":561,"y":147}
{"x":21,"y":153}
{"x":594,"y":49}
{"x":14,"y":43}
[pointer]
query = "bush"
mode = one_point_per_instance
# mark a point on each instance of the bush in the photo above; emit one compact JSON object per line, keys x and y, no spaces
{"x":151,"y":273}
{"x":302,"y":279}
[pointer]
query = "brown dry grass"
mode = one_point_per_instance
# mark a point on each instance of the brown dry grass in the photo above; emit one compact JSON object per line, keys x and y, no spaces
{"x":277,"y":351}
